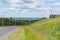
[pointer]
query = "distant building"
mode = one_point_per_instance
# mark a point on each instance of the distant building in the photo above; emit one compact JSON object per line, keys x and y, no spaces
{"x":53,"y":15}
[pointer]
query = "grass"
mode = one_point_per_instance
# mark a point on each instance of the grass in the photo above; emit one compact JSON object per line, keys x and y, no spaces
{"x":25,"y":33}
{"x":17,"y":35}
{"x":47,"y":29}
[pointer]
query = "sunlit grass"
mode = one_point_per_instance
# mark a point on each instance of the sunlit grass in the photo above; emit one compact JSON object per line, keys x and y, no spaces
{"x":47,"y":29}
{"x":17,"y":35}
{"x":26,"y":34}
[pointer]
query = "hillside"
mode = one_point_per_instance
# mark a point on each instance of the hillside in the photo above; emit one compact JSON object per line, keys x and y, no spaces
{"x":46,"y":29}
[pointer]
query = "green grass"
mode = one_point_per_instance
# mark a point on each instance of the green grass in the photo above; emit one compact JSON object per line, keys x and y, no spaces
{"x":17,"y":35}
{"x":47,"y":29}
{"x":25,"y":33}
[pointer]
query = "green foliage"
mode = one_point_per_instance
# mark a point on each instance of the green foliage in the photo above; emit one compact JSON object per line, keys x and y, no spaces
{"x":43,"y":18}
{"x":10,"y":21}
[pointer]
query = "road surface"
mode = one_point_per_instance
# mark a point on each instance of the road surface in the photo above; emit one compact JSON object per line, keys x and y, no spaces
{"x":6,"y":31}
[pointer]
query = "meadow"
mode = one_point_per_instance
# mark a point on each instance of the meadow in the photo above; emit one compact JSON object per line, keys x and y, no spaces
{"x":46,"y":29}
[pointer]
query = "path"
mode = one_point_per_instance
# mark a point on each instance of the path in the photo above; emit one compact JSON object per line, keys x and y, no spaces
{"x":5,"y":31}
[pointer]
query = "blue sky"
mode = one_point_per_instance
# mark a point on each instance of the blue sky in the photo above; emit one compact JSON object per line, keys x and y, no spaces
{"x":29,"y":8}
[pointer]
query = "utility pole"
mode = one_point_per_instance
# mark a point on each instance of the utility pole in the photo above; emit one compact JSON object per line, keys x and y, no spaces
{"x":51,"y":9}
{"x":54,"y":28}
{"x":15,"y":21}
{"x":9,"y":21}
{"x":2,"y":20}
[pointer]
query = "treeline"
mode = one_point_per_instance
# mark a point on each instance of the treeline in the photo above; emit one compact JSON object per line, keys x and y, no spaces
{"x":10,"y":21}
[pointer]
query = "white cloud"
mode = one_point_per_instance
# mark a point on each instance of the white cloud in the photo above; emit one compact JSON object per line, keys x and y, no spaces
{"x":13,"y":1}
{"x":55,"y":7}
{"x":35,"y":7}
{"x":34,"y":4}
{"x":52,"y":0}
{"x":56,"y":4}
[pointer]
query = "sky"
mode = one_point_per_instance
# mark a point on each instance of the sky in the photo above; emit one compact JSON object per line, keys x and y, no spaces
{"x":29,"y":8}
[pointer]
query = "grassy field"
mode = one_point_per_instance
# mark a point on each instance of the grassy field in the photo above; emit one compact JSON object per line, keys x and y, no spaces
{"x":46,"y":29}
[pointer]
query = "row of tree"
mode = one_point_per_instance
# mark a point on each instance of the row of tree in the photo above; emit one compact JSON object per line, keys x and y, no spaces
{"x":10,"y":21}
